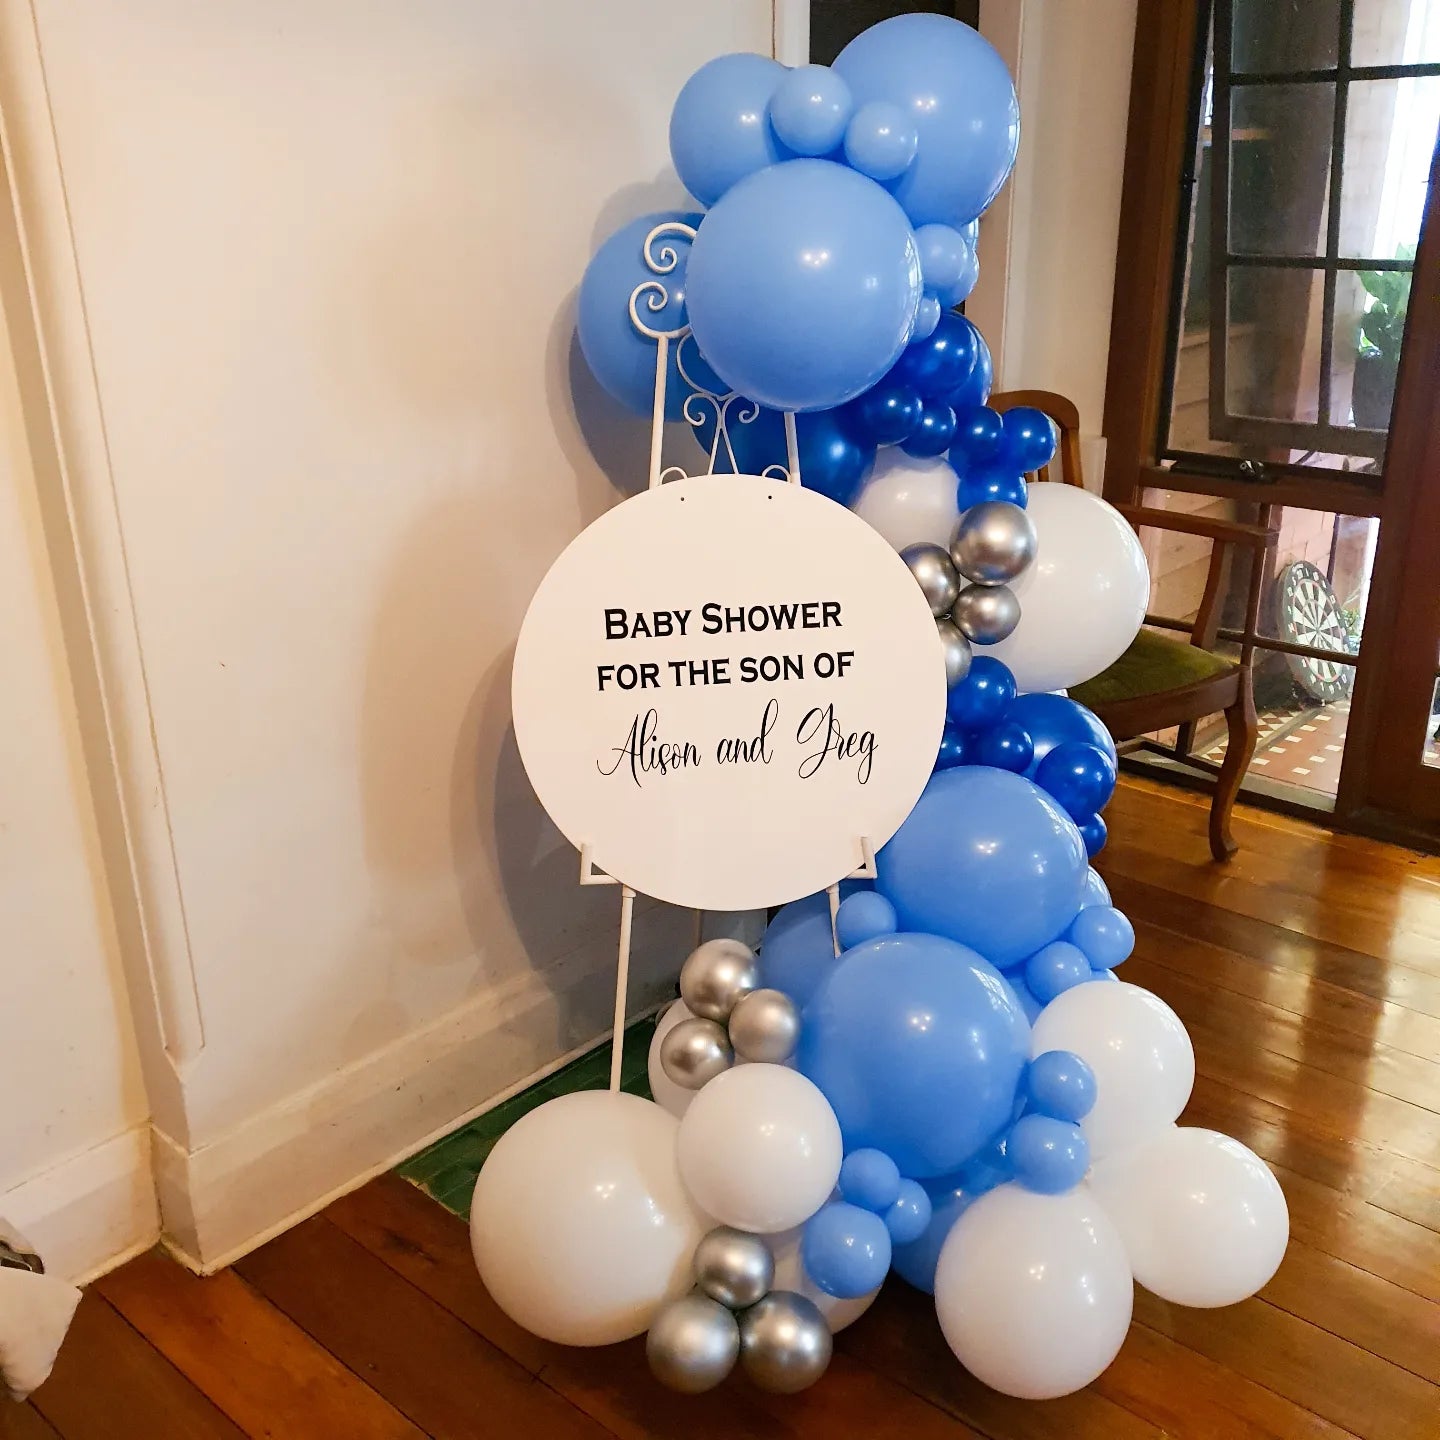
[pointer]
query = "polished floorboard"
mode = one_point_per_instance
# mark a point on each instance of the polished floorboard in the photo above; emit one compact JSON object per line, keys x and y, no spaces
{"x":1308,"y":972}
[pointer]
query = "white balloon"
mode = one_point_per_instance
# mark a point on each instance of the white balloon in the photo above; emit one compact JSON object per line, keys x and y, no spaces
{"x":1140,"y":1052}
{"x":668,"y":1095}
{"x":1034,"y":1291}
{"x":1203,"y":1220}
{"x":790,"y":1274}
{"x":760,"y":1148}
{"x":909,"y":501}
{"x":580,"y":1224}
{"x":1082,"y":599}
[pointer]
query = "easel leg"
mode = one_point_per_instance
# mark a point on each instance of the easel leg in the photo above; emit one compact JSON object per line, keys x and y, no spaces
{"x":622,"y":983}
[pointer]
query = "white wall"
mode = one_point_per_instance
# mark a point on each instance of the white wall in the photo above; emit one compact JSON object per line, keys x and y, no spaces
{"x":324,"y":257}
{"x":1048,"y":250}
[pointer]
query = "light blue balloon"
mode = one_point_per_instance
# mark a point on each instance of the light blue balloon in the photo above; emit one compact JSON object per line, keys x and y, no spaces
{"x":797,"y":950}
{"x":919,"y":1045}
{"x":862,"y":917}
{"x":810,"y":109}
{"x":1015,"y":979}
{"x":845,"y":1250}
{"x":1096,"y":890}
{"x":1105,"y":934}
{"x":988,"y":859}
{"x":880,"y":141}
{"x":909,"y":1217}
{"x":927,"y":317}
{"x":1061,"y":1085}
{"x":803,"y":285}
{"x":1050,"y":1156}
{"x":1056,"y":968}
{"x":720,"y":129}
{"x":870,"y":1179}
{"x":950,"y":1197}
{"x":621,"y":358}
{"x":955,"y":89}
{"x":943,"y":256}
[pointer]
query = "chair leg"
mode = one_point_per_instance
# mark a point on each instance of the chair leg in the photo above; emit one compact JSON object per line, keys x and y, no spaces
{"x":1244,"y":729}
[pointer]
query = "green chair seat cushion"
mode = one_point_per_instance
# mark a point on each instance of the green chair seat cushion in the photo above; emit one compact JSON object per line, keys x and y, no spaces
{"x":1153,"y":664}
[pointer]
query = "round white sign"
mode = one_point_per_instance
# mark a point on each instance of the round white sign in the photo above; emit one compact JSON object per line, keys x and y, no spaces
{"x":722,"y":686}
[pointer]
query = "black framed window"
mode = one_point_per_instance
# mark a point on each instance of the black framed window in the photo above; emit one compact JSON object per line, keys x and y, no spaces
{"x":835,"y":23}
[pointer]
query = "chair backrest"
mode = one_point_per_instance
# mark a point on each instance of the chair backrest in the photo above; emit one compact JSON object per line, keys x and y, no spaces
{"x":1066,"y":417}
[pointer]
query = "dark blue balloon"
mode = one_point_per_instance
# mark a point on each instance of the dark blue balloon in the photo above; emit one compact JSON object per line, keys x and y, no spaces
{"x":1105,"y":934}
{"x":870,"y":1179}
{"x":935,"y":432}
{"x":862,"y":916}
{"x":975,"y":388}
{"x":832,"y":462}
{"x":1029,"y":438}
{"x":1093,"y":832}
{"x":950,"y":1197}
{"x":1054,"y":719}
{"x":977,"y":701}
{"x":1005,"y":746}
{"x":798,"y":950}
{"x":908,"y":1217}
{"x":954,"y":745}
{"x":940,"y":363}
{"x":1080,"y":776}
{"x":1049,"y":1156}
{"x":987,"y":859}
{"x":1061,"y":1085}
{"x":845,"y":1250}
{"x":996,"y":480}
{"x":886,"y":414}
{"x":1056,"y":968}
{"x":979,"y":432}
{"x":918,"y":1044}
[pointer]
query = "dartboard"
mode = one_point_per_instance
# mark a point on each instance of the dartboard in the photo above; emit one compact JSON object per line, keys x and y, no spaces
{"x":1310,"y":615}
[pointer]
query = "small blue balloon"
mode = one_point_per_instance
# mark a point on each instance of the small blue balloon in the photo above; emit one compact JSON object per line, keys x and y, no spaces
{"x":621,"y":358}
{"x":959,"y":292}
{"x":1096,"y":893}
{"x":879,"y":141}
{"x":1105,"y":934}
{"x":944,"y":257}
{"x":977,"y":701}
{"x":1028,"y":1003}
{"x":938,"y":364}
{"x":1093,"y":832}
{"x":833,"y":462}
{"x":884,"y":415}
{"x":971,"y":231}
{"x":1029,"y":438}
{"x":992,"y":481}
{"x":1049,"y":1156}
{"x":1061,"y":1085}
{"x":954,"y":746}
{"x":1056,"y":968}
{"x":1080,"y":776}
{"x":870,"y":1179}
{"x":803,"y":283}
{"x":975,"y":388}
{"x":797,"y":951}
{"x":950,"y":1197}
{"x":927,"y":317}
{"x":845,"y":1250}
{"x":719,"y":130}
{"x":1005,"y":746}
{"x":1054,"y":719}
{"x":978,"y":433}
{"x":935,"y":432}
{"x":862,"y":916}
{"x":908,"y":1217}
{"x":810,"y":110}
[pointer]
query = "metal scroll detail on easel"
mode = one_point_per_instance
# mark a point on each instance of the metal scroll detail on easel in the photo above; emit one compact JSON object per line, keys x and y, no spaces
{"x":703,"y":406}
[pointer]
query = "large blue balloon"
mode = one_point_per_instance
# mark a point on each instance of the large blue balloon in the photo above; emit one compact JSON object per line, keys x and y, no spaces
{"x":955,"y":89}
{"x":803,"y":285}
{"x":832,"y":460}
{"x":719,"y":129}
{"x":798,"y":949}
{"x":1053,"y":720}
{"x":919,"y":1045}
{"x":988,"y":859}
{"x":622,"y":359}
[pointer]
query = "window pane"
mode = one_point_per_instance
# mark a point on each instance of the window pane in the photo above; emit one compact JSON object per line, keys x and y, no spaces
{"x":1272,"y":348}
{"x":1389,"y":142}
{"x":1395,"y":32}
{"x":1284,"y":34}
{"x":1280,"y":168}
{"x":1367,"y":348}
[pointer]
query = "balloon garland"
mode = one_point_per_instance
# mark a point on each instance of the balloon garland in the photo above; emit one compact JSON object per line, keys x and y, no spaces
{"x":936,"y":1071}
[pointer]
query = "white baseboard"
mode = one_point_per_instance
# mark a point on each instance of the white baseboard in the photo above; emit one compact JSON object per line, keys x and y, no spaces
{"x":226,"y":1198}
{"x":91,"y":1211}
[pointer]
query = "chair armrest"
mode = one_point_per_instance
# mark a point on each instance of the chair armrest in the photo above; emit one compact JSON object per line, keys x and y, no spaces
{"x":1256,"y":537}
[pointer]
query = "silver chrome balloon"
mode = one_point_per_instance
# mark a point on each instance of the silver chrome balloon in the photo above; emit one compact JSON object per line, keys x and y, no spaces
{"x":934,"y":572}
{"x":734,"y":1267}
{"x":692,"y":1344}
{"x":715,"y":977}
{"x":765,"y":1026}
{"x":695,"y":1051}
{"x":785,"y":1343}
{"x":993,"y":543}
{"x":986,"y":614}
{"x":956,"y":648}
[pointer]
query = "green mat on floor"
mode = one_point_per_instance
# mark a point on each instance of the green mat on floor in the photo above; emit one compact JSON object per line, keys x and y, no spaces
{"x":447,"y":1169}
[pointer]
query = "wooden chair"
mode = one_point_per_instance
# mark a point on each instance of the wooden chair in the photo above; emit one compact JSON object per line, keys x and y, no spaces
{"x":1161,"y":681}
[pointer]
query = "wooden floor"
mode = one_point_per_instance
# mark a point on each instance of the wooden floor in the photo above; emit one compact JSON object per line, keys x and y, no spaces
{"x":1308,"y":971}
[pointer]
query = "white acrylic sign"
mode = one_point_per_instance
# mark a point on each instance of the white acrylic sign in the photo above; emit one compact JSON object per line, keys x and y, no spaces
{"x":725,"y":685}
